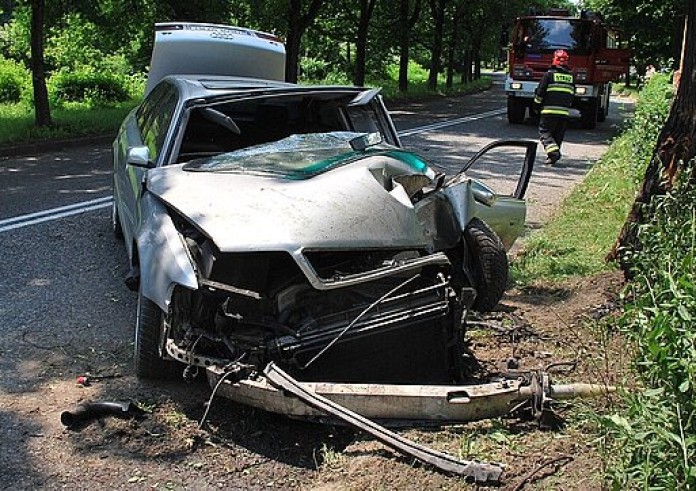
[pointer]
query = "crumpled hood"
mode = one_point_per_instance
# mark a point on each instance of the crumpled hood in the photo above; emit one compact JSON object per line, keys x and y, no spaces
{"x":345,"y":208}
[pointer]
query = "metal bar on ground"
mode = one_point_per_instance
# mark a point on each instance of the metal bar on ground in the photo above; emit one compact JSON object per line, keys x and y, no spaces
{"x":480,"y":472}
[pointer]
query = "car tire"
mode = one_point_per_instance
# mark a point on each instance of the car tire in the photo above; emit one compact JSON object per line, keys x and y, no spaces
{"x":116,"y":221}
{"x":516,"y":110}
{"x":489,"y":264}
{"x":148,"y":330}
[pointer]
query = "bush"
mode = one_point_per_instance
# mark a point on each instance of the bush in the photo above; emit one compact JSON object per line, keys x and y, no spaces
{"x":13,"y":80}
{"x":97,"y":89}
{"x":653,"y":441}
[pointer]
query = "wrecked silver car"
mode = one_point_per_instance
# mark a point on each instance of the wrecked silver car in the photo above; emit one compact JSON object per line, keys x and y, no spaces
{"x":267,"y":221}
{"x":282,"y":240}
{"x":337,"y":254}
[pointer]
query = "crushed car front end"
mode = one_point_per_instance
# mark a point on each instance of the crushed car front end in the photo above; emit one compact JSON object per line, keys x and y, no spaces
{"x":333,"y":263}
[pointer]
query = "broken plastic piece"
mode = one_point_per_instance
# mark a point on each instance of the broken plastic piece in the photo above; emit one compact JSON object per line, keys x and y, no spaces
{"x":92,"y":410}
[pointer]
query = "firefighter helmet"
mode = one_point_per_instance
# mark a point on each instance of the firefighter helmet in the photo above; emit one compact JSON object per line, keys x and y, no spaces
{"x":560,"y":57}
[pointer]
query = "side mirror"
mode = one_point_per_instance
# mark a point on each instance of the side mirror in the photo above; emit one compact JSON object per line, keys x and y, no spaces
{"x":139,"y":157}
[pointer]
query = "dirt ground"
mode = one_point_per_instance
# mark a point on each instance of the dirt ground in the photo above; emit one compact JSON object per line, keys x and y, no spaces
{"x":243,"y":448}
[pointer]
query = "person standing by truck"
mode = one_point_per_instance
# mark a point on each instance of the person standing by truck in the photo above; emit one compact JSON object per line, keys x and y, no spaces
{"x":553,"y":100}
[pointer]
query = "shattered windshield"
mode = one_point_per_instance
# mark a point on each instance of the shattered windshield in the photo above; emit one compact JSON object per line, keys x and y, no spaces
{"x":294,"y":157}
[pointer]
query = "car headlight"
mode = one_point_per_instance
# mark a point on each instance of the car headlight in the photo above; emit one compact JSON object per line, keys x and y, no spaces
{"x":580,"y":90}
{"x":516,"y":86}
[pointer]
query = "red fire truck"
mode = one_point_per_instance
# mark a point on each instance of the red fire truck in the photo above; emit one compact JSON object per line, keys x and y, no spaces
{"x":596,"y":59}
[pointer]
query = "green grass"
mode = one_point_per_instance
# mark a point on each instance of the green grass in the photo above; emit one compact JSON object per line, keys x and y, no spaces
{"x":575,"y":242}
{"x":71,"y":120}
{"x":420,"y":90}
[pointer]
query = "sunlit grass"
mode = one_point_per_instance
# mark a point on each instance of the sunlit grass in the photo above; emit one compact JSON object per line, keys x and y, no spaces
{"x":71,"y":120}
{"x":576,"y":241}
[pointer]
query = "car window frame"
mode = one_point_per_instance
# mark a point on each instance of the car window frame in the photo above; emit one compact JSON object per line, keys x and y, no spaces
{"x":150,"y":114}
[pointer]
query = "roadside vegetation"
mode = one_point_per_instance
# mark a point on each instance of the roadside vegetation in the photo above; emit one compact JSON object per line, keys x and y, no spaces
{"x":649,"y":441}
{"x":84,"y":103}
{"x":586,"y":225}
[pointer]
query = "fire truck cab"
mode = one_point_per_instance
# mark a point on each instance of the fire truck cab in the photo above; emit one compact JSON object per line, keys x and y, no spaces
{"x":596,"y":59}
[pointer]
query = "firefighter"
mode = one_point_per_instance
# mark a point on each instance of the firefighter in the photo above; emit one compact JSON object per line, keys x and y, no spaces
{"x":553,"y":99}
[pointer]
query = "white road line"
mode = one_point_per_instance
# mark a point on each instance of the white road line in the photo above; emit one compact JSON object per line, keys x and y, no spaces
{"x":53,"y":216}
{"x":451,"y":122}
{"x":51,"y":211}
{"x":99,"y":203}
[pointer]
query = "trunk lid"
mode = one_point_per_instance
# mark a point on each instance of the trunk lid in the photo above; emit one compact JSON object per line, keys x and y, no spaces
{"x":186,"y":48}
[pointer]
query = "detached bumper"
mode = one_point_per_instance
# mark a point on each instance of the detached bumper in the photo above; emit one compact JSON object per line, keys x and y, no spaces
{"x":400,"y":403}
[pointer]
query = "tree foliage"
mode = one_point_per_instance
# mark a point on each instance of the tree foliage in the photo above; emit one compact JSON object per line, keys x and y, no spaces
{"x":653,"y":29}
{"x":676,"y":146}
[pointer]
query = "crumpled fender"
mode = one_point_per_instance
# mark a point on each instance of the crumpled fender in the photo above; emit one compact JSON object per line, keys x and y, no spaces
{"x":163,"y":255}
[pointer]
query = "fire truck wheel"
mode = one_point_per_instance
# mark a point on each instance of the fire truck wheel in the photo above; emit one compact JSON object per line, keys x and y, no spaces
{"x":602,"y":113}
{"x":588,"y":115}
{"x":489,"y":264}
{"x":516,"y":110}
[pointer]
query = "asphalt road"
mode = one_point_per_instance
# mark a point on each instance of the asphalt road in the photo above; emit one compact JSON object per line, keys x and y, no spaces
{"x":63,"y":304}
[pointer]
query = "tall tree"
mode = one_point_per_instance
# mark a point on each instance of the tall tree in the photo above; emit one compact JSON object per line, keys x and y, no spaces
{"x":298,"y":23}
{"x":42,"y":110}
{"x":652,"y":29}
{"x":367,"y":7}
{"x":437,"y":8}
{"x":407,"y":19}
{"x":675,"y":146}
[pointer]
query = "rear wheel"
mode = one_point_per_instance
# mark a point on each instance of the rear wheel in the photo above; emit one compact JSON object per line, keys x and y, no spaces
{"x":489,"y":264}
{"x":148,"y":332}
{"x":516,"y":110}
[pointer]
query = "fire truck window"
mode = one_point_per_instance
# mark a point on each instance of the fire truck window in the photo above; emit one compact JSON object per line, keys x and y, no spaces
{"x":552,"y":34}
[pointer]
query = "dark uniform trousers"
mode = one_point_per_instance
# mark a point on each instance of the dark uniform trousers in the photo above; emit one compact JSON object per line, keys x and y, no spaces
{"x":551,"y":133}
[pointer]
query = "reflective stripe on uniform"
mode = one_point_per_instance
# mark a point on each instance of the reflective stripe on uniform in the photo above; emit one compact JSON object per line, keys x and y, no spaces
{"x":553,"y":88}
{"x":556,"y":112}
{"x":537,"y":100}
{"x":552,"y":148}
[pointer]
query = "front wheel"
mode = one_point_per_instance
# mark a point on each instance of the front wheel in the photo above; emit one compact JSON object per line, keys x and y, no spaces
{"x":148,"y":333}
{"x":588,"y":115}
{"x":489,"y":264}
{"x":516,"y":110}
{"x":116,"y":221}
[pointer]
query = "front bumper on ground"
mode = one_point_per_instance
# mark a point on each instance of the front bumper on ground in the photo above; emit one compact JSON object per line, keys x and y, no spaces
{"x":404,"y":403}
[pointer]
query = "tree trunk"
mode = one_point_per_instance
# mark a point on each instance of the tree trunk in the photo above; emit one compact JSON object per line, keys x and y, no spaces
{"x":404,"y":46}
{"x":675,"y":146}
{"x":42,"y":110}
{"x":405,"y":25}
{"x":477,"y":58}
{"x":297,"y":25}
{"x":366,"y":9}
{"x":452,"y":49}
{"x":466,"y":67}
{"x":438,"y":9}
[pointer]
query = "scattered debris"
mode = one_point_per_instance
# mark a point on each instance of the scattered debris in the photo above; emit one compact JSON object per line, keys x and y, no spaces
{"x":530,"y":477}
{"x":480,"y":472}
{"x":87,"y":411}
